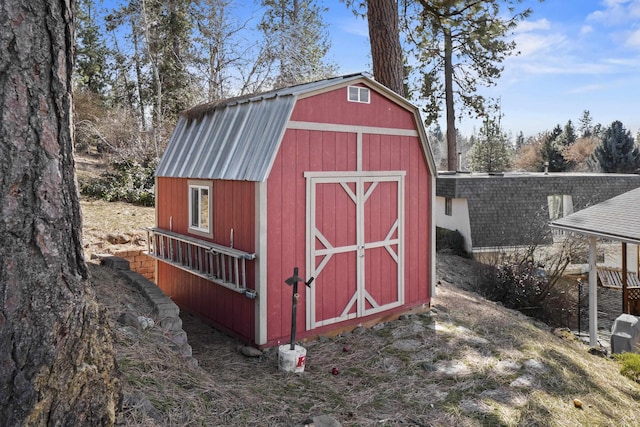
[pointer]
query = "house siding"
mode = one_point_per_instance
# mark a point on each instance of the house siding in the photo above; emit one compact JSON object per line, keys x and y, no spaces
{"x":512,"y":210}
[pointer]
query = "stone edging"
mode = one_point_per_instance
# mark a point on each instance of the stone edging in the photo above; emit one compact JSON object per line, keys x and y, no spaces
{"x":167,"y":312}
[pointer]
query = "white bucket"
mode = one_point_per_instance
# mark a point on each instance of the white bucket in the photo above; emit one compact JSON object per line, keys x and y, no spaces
{"x":292,"y":360}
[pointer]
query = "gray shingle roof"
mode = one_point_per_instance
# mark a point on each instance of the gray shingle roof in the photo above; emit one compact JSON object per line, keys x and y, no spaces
{"x":513,"y":210}
{"x":616,"y":218}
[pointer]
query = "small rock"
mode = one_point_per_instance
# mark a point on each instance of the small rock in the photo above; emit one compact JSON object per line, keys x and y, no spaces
{"x":250,"y":351}
{"x":145,"y":322}
{"x":535,"y":365}
{"x":128,"y":319}
{"x":523,"y":381}
{"x":598,"y":351}
{"x":577,"y":403}
{"x":117,"y":239}
{"x":379,"y":326}
{"x":320,"y":421}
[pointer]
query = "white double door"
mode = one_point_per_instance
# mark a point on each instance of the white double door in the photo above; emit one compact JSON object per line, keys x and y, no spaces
{"x":355,"y":250}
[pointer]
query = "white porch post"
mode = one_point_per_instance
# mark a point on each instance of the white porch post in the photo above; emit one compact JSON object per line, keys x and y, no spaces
{"x":593,"y":293}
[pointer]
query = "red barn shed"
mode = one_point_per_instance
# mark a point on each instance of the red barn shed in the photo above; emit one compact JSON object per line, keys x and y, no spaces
{"x":335,"y":177}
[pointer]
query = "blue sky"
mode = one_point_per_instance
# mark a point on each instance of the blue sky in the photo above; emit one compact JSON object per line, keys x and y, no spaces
{"x":576,"y":55}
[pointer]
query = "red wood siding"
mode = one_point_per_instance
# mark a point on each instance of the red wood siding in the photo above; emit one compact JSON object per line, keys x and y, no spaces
{"x":333,"y":107}
{"x":383,"y":152}
{"x":303,"y":150}
{"x":233,"y":205}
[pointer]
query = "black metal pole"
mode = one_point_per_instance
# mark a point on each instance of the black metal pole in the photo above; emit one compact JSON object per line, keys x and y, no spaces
{"x":293,"y":281}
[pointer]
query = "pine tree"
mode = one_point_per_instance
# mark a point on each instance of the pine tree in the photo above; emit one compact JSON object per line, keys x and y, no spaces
{"x":618,"y":152}
{"x":91,"y":54}
{"x":552,"y":151}
{"x":586,"y":124}
{"x":57,"y":364}
{"x":491,"y":151}
{"x":460,"y":45}
{"x":299,"y":41}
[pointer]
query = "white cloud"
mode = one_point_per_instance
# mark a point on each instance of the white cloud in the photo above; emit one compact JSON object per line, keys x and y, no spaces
{"x":356,"y":27}
{"x":587,"y":88}
{"x":616,"y":12}
{"x":586,"y":29}
{"x":529,"y":44}
{"x":633,"y":40}
{"x":526,"y":26}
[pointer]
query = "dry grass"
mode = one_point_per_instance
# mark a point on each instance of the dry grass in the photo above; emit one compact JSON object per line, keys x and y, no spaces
{"x":114,"y":221}
{"x":470,"y":363}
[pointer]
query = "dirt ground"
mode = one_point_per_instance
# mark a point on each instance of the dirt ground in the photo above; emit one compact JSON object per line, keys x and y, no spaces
{"x":468,"y":362}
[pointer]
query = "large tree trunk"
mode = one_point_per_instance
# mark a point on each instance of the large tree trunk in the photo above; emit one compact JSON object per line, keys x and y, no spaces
{"x":384,"y":37}
{"x":452,"y":148}
{"x":57,"y":365}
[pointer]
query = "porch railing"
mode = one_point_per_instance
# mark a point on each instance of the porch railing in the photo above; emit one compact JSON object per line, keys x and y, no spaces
{"x":219,"y":264}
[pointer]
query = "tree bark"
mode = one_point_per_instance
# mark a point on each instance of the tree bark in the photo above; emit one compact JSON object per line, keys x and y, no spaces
{"x":452,"y":146}
{"x":57,"y":365}
{"x":384,"y":36}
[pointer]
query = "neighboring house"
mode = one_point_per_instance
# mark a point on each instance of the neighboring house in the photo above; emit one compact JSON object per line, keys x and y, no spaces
{"x":335,"y":177}
{"x":496,"y":212}
{"x":616,"y":220}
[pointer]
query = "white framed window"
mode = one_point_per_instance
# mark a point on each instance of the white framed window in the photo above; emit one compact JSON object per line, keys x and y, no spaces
{"x":358,"y":94}
{"x":200,"y":212}
{"x":448,"y":206}
{"x":560,"y":205}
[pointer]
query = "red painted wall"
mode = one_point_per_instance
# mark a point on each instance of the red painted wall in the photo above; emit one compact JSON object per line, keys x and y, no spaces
{"x":333,"y":107}
{"x":233,"y":204}
{"x":303,"y":150}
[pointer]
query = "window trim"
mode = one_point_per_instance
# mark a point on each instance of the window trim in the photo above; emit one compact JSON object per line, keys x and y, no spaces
{"x":361,"y":90}
{"x":200,"y":185}
{"x":448,"y":206}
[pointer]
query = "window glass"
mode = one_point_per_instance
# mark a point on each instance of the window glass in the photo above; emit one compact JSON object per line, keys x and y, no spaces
{"x":364,"y":95}
{"x":448,"y":206}
{"x":204,"y":208}
{"x":358,"y":94}
{"x":353,"y":94}
{"x":200,"y":207}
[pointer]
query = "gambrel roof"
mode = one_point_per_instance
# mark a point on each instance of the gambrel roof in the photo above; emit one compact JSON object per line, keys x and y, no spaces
{"x":616,"y":219}
{"x":238,"y":138}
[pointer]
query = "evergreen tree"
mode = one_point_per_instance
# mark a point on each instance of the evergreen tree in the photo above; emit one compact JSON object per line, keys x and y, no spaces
{"x":618,"y":152}
{"x":586,"y":124}
{"x":299,"y":41}
{"x":386,"y":50}
{"x":520,"y":141}
{"x":567,"y":137}
{"x":57,"y":363}
{"x":491,"y":151}
{"x":91,"y":53}
{"x":551,"y":150}
{"x":460,"y":45}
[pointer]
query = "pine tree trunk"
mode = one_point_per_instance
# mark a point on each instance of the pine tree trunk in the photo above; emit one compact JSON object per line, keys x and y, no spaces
{"x":384,"y":37}
{"x":57,"y":364}
{"x":452,"y":146}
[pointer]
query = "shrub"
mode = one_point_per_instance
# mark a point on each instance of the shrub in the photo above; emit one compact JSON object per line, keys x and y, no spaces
{"x":518,"y":286}
{"x":630,"y":365}
{"x":450,"y":240}
{"x":526,"y":287}
{"x":129,"y":181}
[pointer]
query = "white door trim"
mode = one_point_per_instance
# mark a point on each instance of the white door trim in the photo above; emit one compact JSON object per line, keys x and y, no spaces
{"x":362,"y":296}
